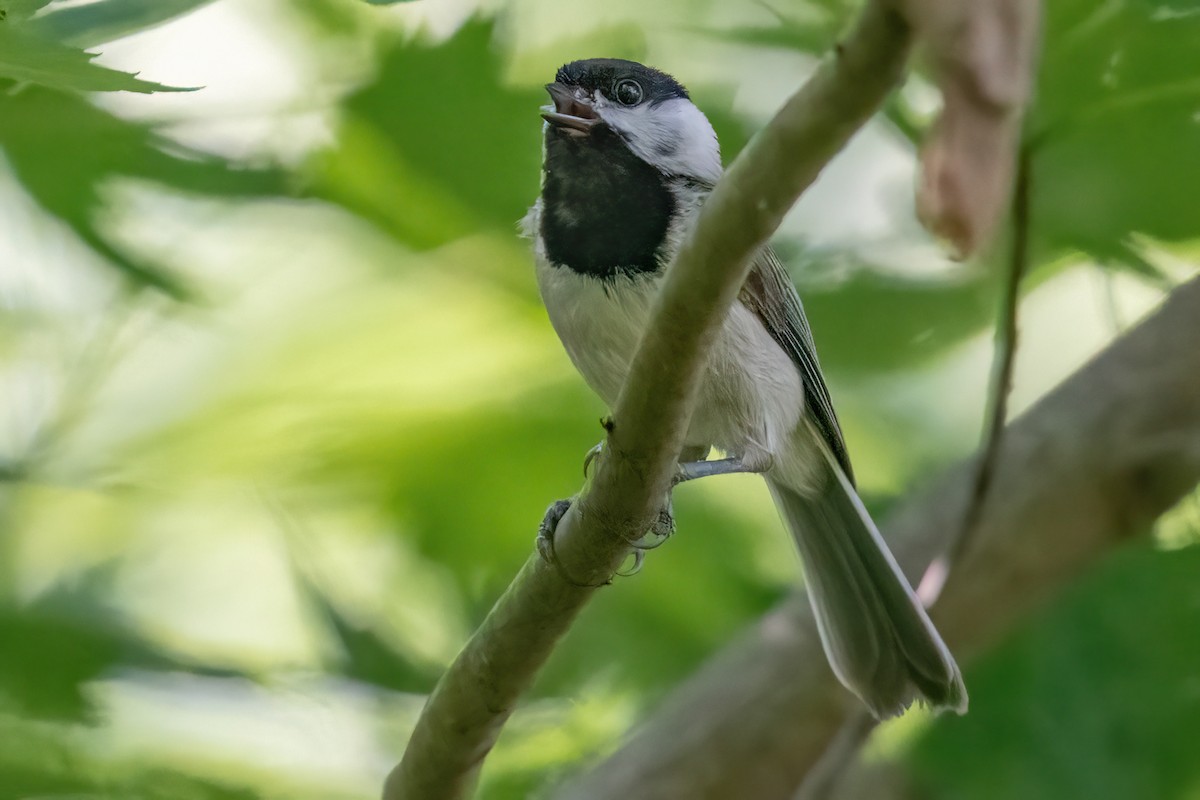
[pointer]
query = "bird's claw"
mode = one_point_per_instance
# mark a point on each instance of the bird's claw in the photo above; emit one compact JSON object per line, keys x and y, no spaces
{"x":639,"y":557}
{"x":591,"y":456}
{"x":661,"y":529}
{"x":664,"y":524}
{"x":545,"y":543}
{"x":549,"y":523}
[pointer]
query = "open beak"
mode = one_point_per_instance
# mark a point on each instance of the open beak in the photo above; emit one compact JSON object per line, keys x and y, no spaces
{"x":569,"y":111}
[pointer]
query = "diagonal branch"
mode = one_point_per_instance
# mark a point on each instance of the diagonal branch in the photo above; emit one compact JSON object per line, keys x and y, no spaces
{"x":1094,"y":462}
{"x":477,"y":694}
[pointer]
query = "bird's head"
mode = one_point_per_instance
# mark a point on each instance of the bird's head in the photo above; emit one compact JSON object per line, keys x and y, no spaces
{"x":647,"y":110}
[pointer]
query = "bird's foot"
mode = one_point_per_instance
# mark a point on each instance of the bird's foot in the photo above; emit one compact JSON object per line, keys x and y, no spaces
{"x":545,"y":544}
{"x":661,"y":529}
{"x":545,"y":538}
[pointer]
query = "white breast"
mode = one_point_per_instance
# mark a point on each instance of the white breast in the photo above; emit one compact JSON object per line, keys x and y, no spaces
{"x":598,"y":322}
{"x":751,"y":399}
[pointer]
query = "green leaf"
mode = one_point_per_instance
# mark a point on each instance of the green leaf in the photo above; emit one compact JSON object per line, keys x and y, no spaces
{"x":811,"y":27}
{"x":63,"y":150}
{"x":364,"y":654}
{"x":54,"y":761}
{"x":56,"y":647}
{"x":912,"y":321}
{"x":1095,"y":699}
{"x":1115,"y":127}
{"x":48,"y":660}
{"x":804,"y":35}
{"x":438,"y":145}
{"x":37,"y":762}
{"x":732,"y":130}
{"x":28,"y":58}
{"x":14,"y":11}
{"x":95,"y":23}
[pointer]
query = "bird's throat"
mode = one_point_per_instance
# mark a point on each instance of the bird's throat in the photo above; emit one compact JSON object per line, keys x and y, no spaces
{"x":605,"y":212}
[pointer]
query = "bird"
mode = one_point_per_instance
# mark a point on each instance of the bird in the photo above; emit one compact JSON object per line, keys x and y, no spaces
{"x":628,"y":160}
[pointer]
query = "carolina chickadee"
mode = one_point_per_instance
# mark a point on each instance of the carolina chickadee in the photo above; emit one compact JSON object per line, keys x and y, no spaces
{"x":628,"y":160}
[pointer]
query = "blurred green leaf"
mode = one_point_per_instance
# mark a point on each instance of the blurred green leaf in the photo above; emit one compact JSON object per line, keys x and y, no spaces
{"x":438,"y":145}
{"x":1118,"y":140}
{"x":53,"y":649}
{"x":39,"y":761}
{"x":50,"y":657}
{"x":810,"y":28}
{"x":48,"y":661}
{"x":99,"y":22}
{"x":162,"y":784}
{"x":364,"y":654}
{"x":808,"y":37}
{"x":64,"y":151}
{"x":15,"y":11}
{"x":536,"y":66}
{"x":47,"y":761}
{"x":732,"y":130}
{"x":25,"y":57}
{"x":1096,"y":699}
{"x":911,"y":321}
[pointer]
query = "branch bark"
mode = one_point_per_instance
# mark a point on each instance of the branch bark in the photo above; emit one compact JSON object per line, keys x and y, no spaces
{"x":474,"y":698}
{"x":1095,"y":461}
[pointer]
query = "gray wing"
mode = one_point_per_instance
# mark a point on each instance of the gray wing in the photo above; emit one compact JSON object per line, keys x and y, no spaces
{"x":770,"y":295}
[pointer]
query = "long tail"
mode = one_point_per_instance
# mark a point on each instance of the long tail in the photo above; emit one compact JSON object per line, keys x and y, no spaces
{"x":876,"y":634}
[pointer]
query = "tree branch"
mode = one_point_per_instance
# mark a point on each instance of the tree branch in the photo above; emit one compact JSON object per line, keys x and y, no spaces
{"x":1096,"y":460}
{"x":470,"y":704}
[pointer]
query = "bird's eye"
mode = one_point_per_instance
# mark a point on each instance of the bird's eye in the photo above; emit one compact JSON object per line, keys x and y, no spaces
{"x":628,"y":92}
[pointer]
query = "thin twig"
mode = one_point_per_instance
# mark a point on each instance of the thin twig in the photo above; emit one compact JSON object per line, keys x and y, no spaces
{"x":480,"y":690}
{"x":999,"y":388}
{"x":827,"y":773}
{"x":1006,"y":356}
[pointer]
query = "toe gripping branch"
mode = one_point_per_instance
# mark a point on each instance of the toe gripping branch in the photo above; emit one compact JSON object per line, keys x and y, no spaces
{"x":660,"y":530}
{"x":545,"y":543}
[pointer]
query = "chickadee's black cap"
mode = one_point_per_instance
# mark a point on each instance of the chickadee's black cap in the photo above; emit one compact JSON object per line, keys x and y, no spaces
{"x":604,"y":73}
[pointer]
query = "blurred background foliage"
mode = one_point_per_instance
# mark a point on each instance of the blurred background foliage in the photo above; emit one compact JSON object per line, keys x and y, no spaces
{"x":280,"y":409}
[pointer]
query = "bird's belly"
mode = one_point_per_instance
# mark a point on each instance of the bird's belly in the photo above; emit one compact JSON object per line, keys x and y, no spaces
{"x":598,"y":321}
{"x":751,"y":397}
